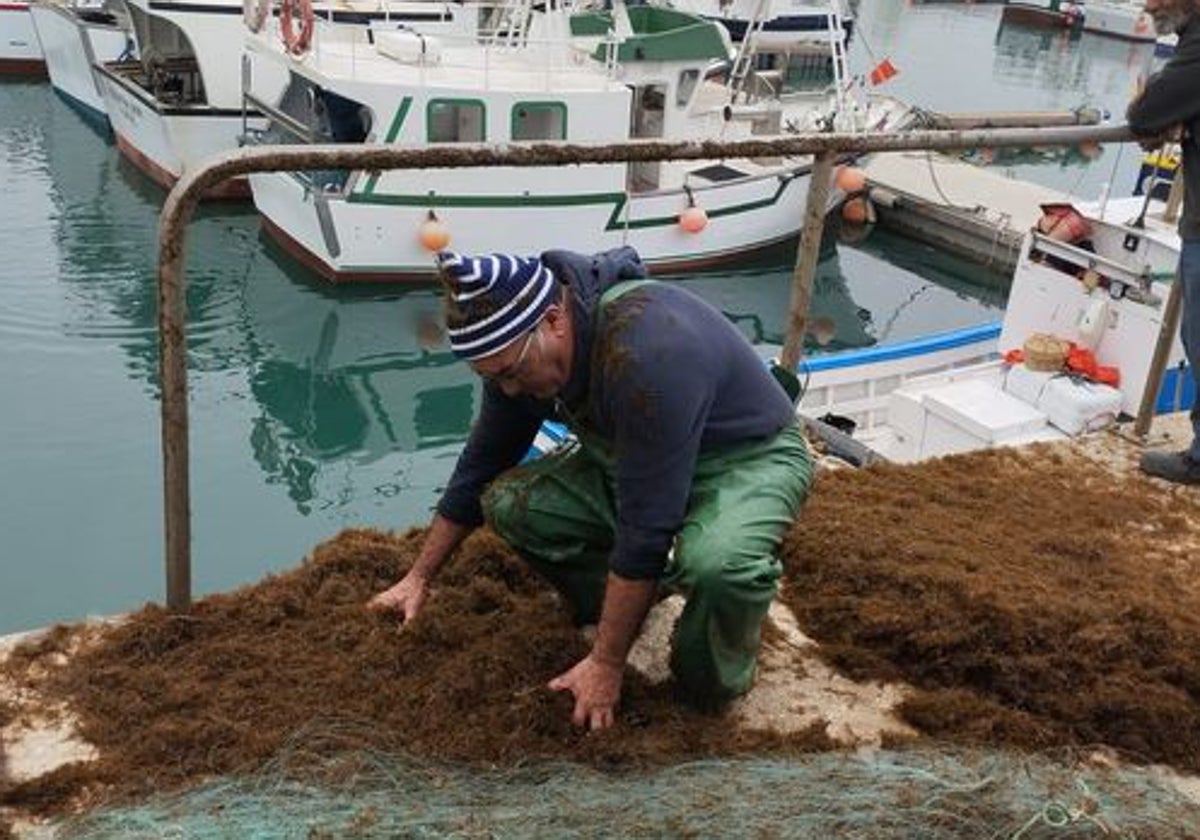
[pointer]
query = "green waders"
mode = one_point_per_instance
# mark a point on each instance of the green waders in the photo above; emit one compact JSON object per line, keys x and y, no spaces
{"x":559,"y":513}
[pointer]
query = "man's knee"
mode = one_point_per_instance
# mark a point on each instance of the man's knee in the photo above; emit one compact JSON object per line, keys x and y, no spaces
{"x":717,"y":569}
{"x":504,"y":504}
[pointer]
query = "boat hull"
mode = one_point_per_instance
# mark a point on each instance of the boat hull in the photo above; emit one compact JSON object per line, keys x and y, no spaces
{"x":1130,"y":24}
{"x":164,"y":142}
{"x":72,"y":46}
{"x":367,"y":236}
{"x":20,"y":50}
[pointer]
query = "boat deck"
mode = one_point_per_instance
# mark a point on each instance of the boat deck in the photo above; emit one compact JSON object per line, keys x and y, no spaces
{"x":936,"y":199}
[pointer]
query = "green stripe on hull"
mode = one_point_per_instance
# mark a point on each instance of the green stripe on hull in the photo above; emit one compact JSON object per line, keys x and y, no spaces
{"x":617,"y":200}
{"x":680,"y":260}
{"x":392,"y":133}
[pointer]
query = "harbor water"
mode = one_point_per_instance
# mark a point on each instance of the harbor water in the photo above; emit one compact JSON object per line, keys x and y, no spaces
{"x":315,"y":409}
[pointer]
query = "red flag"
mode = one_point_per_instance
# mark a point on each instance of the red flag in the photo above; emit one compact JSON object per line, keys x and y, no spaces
{"x":883,"y":71}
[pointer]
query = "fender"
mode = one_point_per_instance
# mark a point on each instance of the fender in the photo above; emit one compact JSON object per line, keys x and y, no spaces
{"x":254,"y":13}
{"x":296,"y":41}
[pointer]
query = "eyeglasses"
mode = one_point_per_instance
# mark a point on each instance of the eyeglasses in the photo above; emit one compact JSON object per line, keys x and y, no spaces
{"x":512,"y":373}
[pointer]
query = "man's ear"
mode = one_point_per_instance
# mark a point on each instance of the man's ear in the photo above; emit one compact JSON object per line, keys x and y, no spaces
{"x":556,"y":319}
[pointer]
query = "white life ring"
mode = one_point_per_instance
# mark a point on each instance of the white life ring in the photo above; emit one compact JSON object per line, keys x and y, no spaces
{"x":254,"y":13}
{"x":296,"y":41}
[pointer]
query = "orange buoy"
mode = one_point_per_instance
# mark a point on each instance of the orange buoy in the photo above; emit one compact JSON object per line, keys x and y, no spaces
{"x":432,"y":234}
{"x":858,"y":211}
{"x":693,"y":219}
{"x":850,"y":179}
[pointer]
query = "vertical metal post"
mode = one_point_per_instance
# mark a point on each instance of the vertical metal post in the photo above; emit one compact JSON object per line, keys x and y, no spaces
{"x":806,"y":258}
{"x":172,"y":348}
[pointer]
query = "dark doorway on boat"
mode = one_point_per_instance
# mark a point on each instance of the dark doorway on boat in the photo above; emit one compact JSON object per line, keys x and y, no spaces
{"x":646,"y":121}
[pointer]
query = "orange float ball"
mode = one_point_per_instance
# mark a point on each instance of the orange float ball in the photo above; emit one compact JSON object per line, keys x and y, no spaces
{"x":693,"y":219}
{"x":850,"y":180}
{"x":856,"y":211}
{"x":432,"y":235}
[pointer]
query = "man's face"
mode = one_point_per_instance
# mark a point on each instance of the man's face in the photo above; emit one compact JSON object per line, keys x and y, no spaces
{"x":1170,"y":15}
{"x":530,"y":365}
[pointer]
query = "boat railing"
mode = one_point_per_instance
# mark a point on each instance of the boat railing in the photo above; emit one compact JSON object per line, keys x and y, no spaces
{"x":182,"y":201}
{"x":487,"y":52}
{"x":1131,"y":271}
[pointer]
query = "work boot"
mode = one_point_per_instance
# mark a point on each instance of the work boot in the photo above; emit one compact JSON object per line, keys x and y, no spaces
{"x":1177,"y":467}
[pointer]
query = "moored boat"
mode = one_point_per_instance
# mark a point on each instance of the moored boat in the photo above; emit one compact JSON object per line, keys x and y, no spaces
{"x":544,"y":73}
{"x":74,"y":38}
{"x":784,"y":23}
{"x":1125,"y":19}
{"x":181,"y":100}
{"x":1103,"y":293}
{"x":20,"y":50}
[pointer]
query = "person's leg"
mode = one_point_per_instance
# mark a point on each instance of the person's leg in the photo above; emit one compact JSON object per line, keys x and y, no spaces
{"x":743,"y":502}
{"x":1184,"y":467}
{"x":557,"y":512}
{"x":1189,"y":328}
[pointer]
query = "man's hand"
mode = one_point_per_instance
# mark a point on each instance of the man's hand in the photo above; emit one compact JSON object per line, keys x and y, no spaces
{"x":596,"y":686}
{"x":405,"y":598}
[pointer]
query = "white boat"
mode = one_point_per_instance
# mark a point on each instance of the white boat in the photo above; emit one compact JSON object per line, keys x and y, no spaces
{"x":784,"y":23}
{"x":545,"y":73}
{"x":181,"y":101}
{"x":74,"y":38}
{"x":955,"y":392}
{"x":1125,"y":19}
{"x":20,"y":50}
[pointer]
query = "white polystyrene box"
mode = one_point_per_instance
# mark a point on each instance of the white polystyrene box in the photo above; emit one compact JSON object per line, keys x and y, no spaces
{"x":1027,"y":385}
{"x":906,"y":418}
{"x":948,"y":437}
{"x":984,"y":411}
{"x":1076,"y":405}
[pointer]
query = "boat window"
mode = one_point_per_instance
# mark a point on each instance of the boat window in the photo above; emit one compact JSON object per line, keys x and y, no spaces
{"x":539,"y":121}
{"x":456,"y":121}
{"x":686,"y":87}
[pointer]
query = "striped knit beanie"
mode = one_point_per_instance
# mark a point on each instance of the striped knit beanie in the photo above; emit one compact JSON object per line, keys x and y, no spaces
{"x":499,"y":297}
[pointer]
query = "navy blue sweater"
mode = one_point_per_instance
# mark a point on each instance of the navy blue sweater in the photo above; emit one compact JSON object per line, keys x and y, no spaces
{"x":668,"y":378}
{"x":1172,"y":98}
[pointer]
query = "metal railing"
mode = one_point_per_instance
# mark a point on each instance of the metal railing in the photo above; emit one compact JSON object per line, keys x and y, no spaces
{"x":182,"y":200}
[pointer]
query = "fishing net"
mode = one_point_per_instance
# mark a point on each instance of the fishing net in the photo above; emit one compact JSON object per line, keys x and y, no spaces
{"x":905,"y":794}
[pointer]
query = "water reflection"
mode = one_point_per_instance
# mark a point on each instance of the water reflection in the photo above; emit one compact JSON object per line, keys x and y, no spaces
{"x":353,"y":376}
{"x":342,"y":375}
{"x":1064,"y":61}
{"x":757,"y":301}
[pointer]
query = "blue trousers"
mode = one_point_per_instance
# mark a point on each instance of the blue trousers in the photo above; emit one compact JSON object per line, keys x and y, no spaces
{"x":1189,"y":328}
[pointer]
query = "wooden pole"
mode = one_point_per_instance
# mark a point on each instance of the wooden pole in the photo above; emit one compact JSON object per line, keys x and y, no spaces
{"x":1174,"y":198}
{"x":1172,"y":312}
{"x":819,"y":185}
{"x":1158,"y":362}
